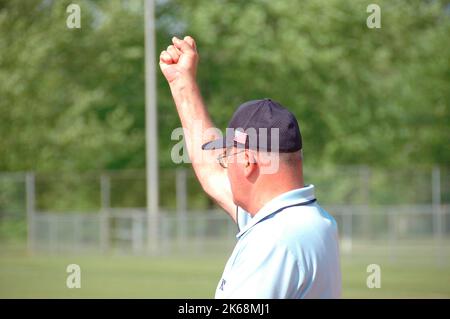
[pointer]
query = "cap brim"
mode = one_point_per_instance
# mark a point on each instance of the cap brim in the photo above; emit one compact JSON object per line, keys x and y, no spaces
{"x":215,"y":145}
{"x":221,"y":143}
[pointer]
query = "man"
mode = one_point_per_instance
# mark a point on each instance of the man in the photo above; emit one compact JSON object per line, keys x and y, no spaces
{"x":287,"y":244}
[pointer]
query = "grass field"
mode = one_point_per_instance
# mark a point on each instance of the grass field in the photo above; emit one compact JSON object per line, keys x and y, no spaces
{"x":413,"y":271}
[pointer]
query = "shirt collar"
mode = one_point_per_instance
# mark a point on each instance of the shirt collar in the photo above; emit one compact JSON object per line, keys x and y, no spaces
{"x":295,"y":196}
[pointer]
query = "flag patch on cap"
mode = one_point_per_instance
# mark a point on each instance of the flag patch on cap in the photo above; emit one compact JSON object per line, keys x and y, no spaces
{"x":240,"y":137}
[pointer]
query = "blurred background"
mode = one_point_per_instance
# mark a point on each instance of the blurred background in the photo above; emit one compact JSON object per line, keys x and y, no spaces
{"x":372,"y":104}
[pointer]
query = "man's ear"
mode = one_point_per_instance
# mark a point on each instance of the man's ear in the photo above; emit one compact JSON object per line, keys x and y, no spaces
{"x":249,"y":163}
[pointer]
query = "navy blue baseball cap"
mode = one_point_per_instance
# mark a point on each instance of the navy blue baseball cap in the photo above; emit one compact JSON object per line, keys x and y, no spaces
{"x":252,"y":127}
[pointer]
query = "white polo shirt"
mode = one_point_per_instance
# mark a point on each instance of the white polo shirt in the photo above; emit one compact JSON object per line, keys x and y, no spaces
{"x":289,"y":249}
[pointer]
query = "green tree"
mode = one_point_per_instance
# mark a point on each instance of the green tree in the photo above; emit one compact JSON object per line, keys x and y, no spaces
{"x":372,"y":96}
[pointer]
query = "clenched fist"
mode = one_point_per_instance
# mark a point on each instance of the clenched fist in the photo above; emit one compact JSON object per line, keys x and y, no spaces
{"x":179,"y":62}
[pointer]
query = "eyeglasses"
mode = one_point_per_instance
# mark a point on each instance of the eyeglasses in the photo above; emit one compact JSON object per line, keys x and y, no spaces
{"x":223,"y":161}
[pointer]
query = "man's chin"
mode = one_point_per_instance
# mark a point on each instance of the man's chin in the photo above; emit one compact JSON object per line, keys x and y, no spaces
{"x":238,"y":203}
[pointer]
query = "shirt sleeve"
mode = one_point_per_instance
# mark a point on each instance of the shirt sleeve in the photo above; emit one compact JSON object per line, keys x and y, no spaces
{"x":242,"y":217}
{"x":267,"y":272}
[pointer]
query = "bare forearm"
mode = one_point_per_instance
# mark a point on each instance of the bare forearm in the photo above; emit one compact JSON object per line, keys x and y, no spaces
{"x":194,"y":118}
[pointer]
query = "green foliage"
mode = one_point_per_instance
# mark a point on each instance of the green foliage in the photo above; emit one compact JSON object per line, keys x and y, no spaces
{"x":69,"y":96}
{"x":371,"y":96}
{"x":74,"y":99}
{"x":13,"y":231}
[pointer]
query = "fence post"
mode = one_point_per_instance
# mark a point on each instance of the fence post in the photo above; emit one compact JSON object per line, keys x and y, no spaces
{"x":437,"y":211}
{"x":392,"y":220}
{"x":181,"y":190}
{"x":31,"y":209}
{"x":347,"y":219}
{"x":78,"y":232}
{"x":137,"y":235}
{"x":105,"y":193}
{"x":365,"y":198}
{"x":54,"y":222}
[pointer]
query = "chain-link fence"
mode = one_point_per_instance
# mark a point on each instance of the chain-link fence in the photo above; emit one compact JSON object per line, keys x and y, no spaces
{"x":103,"y":212}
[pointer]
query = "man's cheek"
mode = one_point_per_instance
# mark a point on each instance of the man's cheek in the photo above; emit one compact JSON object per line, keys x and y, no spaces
{"x":233,"y":178}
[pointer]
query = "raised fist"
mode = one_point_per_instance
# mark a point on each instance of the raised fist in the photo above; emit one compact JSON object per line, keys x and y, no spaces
{"x":179,"y":61}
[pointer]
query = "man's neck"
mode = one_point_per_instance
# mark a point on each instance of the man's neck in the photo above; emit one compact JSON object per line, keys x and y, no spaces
{"x":262,"y":196}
